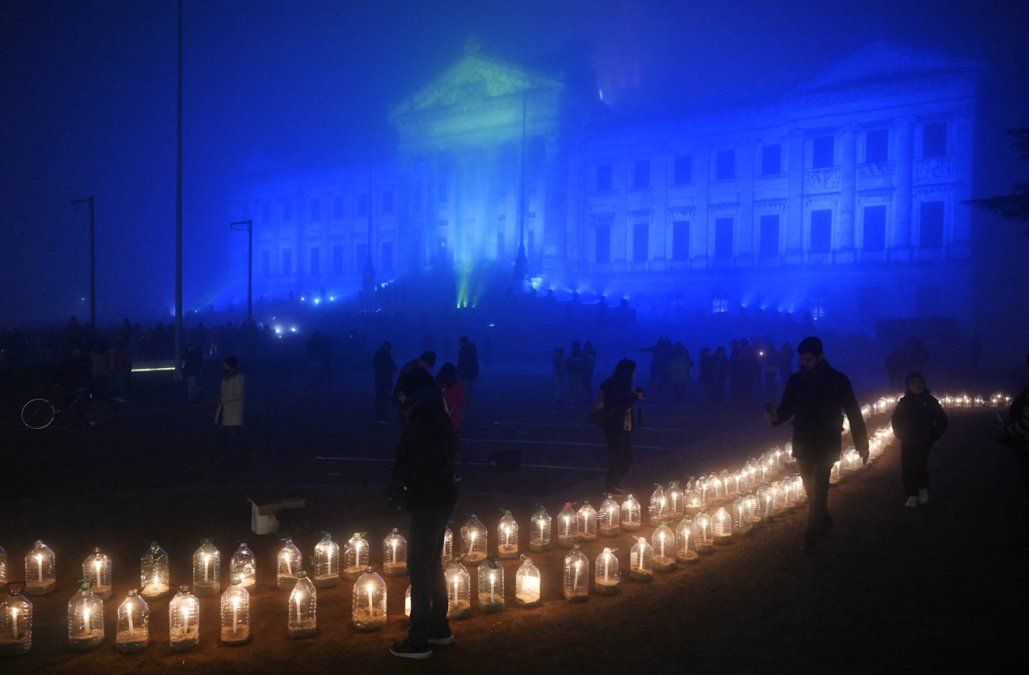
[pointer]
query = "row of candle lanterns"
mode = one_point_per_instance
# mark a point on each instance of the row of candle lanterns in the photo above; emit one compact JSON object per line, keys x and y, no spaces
{"x":662,"y":552}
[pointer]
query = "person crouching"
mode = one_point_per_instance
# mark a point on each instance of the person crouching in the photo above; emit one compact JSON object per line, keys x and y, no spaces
{"x":918,"y":421}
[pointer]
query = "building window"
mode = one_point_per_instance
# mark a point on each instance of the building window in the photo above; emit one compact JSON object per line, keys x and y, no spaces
{"x":877,"y":142}
{"x":719,"y":305}
{"x":604,"y":178}
{"x":681,"y":240}
{"x":442,"y":192}
{"x":387,"y":201}
{"x":315,"y":210}
{"x":930,"y":227}
{"x":337,"y":260}
{"x":683,"y":169}
{"x":822,"y":152}
{"x":602,"y":247}
{"x":725,"y":164}
{"x":771,"y":160}
{"x":315,"y":263}
{"x":266,"y":262}
{"x":770,"y":236}
{"x":337,"y":207}
{"x":723,"y":238}
{"x":821,"y":231}
{"x":362,"y":204}
{"x":386,"y":262}
{"x":641,"y":174}
{"x":873,"y":232}
{"x":287,"y":261}
{"x":640,"y":242}
{"x":287,"y":210}
{"x":934,"y":139}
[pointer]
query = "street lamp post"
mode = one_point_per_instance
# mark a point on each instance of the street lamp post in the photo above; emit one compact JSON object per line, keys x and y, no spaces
{"x":92,"y":261}
{"x":248,"y":225}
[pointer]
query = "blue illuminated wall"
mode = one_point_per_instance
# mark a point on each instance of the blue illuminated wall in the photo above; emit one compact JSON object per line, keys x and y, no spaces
{"x":842,"y":199}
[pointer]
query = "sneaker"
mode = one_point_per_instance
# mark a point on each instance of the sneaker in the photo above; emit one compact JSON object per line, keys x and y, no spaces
{"x":923,"y":496}
{"x":911,"y":503}
{"x":442,"y":641}
{"x":405,"y":650}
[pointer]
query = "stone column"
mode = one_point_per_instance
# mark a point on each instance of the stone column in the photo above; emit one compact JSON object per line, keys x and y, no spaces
{"x":844,"y":252}
{"x":700,"y":251}
{"x":745,"y":253}
{"x":900,"y":242}
{"x":795,"y":191}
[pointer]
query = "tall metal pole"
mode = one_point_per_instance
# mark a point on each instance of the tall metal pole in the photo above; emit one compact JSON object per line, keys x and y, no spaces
{"x":248,"y":224}
{"x":178,"y":208}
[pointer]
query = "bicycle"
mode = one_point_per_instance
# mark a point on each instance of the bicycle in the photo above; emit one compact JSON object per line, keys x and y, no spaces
{"x":87,"y":408}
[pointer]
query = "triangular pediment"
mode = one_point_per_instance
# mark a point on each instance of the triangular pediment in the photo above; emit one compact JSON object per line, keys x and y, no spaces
{"x":472,"y":79}
{"x":884,"y":62}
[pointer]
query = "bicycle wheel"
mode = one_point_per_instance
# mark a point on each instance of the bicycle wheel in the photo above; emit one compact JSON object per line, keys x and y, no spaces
{"x":97,"y":412}
{"x":38,"y":414}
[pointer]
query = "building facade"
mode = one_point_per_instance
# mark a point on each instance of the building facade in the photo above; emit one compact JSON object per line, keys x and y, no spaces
{"x":842,"y":199}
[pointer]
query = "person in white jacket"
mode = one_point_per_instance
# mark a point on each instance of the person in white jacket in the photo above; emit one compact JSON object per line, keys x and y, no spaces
{"x":229,"y":415}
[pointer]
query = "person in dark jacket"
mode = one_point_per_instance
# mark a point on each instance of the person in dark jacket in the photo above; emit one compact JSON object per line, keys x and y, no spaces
{"x":918,"y":422}
{"x":814,"y":399}
{"x":424,"y":468}
{"x":384,"y":367}
{"x":619,"y":397}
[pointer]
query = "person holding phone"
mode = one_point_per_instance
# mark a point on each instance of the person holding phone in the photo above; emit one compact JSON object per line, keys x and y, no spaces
{"x":815,"y":399}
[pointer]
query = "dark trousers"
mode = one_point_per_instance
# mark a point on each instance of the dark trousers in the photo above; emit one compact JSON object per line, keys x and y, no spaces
{"x":914,"y":467}
{"x":424,"y":565}
{"x":815,"y":475}
{"x":619,"y":457}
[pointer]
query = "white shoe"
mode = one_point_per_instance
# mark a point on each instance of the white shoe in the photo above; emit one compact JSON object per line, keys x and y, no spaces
{"x":911,"y":503}
{"x":923,"y":496}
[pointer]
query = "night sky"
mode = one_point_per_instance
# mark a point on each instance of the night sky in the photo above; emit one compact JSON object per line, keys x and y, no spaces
{"x":89,"y":104}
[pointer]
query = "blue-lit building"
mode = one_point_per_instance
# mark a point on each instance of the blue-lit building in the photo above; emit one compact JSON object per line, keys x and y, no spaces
{"x":843,"y":198}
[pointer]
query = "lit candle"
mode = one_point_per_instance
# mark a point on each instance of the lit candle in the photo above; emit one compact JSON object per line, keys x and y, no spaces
{"x":39,"y":566}
{"x":289,"y":564}
{"x":132,"y":628}
{"x":393,"y":545}
{"x":607,"y":565}
{"x":207,"y":559}
{"x":575,"y":581}
{"x":96,"y":568}
{"x":531,"y":589}
{"x":661,"y":541}
{"x":85,"y":618}
{"x":541,"y":529}
{"x":185,"y":620}
{"x":300,"y":596}
{"x":507,"y":535}
{"x":457,"y":582}
{"x":492,"y":581}
{"x":370,"y":588}
{"x":14,"y":621}
{"x":235,"y":615}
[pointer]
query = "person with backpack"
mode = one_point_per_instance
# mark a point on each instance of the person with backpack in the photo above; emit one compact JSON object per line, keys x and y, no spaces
{"x":918,"y":422}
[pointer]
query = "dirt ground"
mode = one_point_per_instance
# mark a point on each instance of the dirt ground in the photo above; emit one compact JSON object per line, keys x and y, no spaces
{"x":941,"y":587}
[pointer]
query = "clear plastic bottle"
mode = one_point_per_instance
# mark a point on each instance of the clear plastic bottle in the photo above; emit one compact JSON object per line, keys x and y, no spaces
{"x":15,"y":623}
{"x":527,"y":583}
{"x":606,"y":575}
{"x":641,"y":560}
{"x":459,"y":591}
{"x":507,"y":536}
{"x":184,"y":620}
{"x":491,"y":586}
{"x":97,"y":568}
{"x":658,"y":510}
{"x":207,"y":566}
{"x":132,"y":632}
{"x":326,"y":562}
{"x":368,"y":610}
{"x":566,"y":525}
{"x":235,"y":614}
{"x":586,"y":523}
{"x":539,"y":532}
{"x":632,"y":514}
{"x":474,"y":540}
{"x":394,"y":554}
{"x":85,"y":617}
{"x":662,"y":541}
{"x":609,"y":517}
{"x":153,"y":572}
{"x":356,"y":556}
{"x":288,"y":562}
{"x":40,"y":570}
{"x":303,"y":608}
{"x":243,"y":566}
{"x":576,"y":581}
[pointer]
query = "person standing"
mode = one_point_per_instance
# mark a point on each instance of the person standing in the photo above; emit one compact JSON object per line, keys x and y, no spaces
{"x":192,"y":365}
{"x":918,"y":421}
{"x":454,"y":397}
{"x":467,"y":365}
{"x":229,"y":415}
{"x":619,"y":398}
{"x":384,"y":367}
{"x":816,"y":398}
{"x":424,"y":471}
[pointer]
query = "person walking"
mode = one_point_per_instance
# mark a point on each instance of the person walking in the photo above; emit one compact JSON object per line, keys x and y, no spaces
{"x":618,"y":398}
{"x":816,"y":397}
{"x":918,"y":421}
{"x":229,"y":416}
{"x":384,"y":367}
{"x":424,"y":473}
